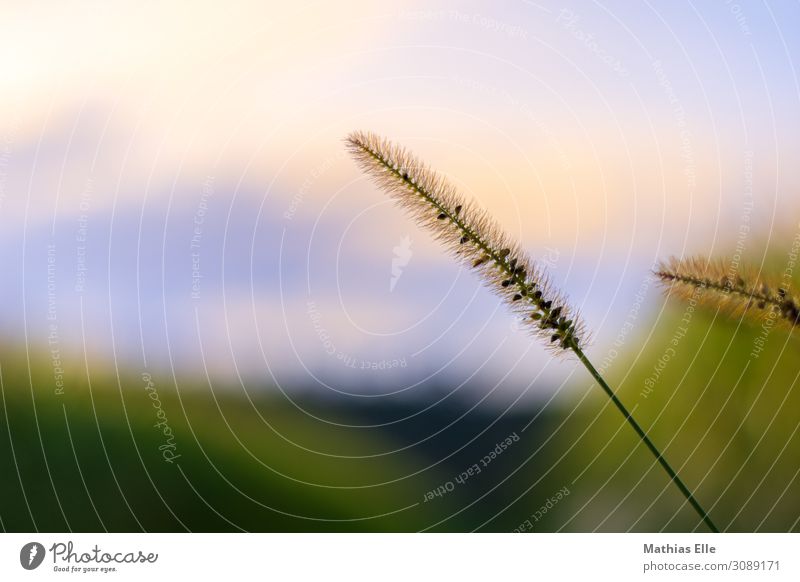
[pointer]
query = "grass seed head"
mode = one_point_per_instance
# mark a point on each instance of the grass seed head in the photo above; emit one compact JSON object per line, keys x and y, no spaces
{"x":472,"y":236}
{"x":712,"y":283}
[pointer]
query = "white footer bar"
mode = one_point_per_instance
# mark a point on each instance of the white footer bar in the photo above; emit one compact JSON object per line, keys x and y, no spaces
{"x":354,"y":557}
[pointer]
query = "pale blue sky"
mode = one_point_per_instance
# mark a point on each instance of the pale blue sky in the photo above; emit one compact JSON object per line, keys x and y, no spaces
{"x":605,"y":135}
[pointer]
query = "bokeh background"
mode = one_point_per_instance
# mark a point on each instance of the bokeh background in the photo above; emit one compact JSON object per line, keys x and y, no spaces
{"x":213,"y":322}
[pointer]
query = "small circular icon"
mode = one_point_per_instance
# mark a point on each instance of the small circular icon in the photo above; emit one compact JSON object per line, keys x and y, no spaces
{"x":31,"y":555}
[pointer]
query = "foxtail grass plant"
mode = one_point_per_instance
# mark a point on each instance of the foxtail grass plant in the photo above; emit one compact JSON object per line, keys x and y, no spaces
{"x":474,"y":238}
{"x":743,"y":292}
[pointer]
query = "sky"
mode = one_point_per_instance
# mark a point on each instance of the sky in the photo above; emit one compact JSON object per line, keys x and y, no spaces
{"x":174,"y":193}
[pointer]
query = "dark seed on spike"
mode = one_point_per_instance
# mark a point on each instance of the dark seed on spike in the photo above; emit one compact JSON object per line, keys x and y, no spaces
{"x":437,"y":206}
{"x":554,"y":337}
{"x":556,"y":312}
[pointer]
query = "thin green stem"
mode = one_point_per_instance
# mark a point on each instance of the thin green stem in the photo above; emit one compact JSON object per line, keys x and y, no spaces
{"x":645,"y":439}
{"x":563,"y":329}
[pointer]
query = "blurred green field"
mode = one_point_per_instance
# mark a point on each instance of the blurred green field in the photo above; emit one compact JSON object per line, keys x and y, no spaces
{"x":89,"y":459}
{"x":727,"y":420}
